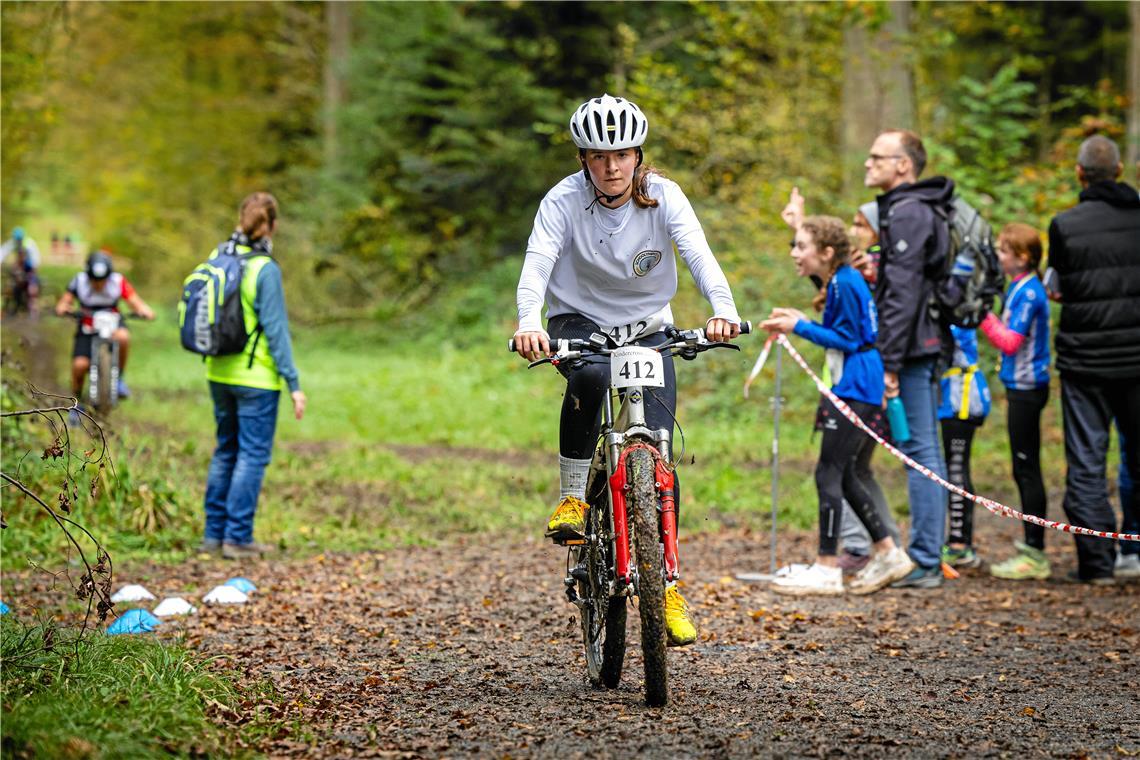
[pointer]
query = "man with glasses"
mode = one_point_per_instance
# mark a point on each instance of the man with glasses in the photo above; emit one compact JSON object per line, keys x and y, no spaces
{"x":914,"y":243}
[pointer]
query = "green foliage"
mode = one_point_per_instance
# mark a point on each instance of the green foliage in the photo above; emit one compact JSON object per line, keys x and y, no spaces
{"x":111,"y":696}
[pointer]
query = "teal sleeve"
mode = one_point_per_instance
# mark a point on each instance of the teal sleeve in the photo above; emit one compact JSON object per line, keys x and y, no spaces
{"x":270,"y":308}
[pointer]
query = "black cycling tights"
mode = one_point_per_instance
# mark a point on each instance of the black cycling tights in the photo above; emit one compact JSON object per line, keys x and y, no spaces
{"x":957,"y":440}
{"x":837,"y":476}
{"x":1025,"y":447}
{"x":587,"y":382}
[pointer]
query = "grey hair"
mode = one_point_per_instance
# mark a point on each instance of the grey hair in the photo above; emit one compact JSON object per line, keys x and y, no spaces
{"x":1100,"y":159}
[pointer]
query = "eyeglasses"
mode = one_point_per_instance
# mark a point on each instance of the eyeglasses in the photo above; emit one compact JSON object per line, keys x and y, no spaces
{"x":877,"y":158}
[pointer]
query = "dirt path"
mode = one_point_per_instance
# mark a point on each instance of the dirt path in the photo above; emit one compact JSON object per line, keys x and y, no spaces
{"x":452,"y":652}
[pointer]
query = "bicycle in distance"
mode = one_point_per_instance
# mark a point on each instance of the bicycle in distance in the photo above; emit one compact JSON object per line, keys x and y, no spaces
{"x":630,"y":545}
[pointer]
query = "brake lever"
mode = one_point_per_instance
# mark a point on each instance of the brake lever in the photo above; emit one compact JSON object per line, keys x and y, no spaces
{"x":546,"y":360}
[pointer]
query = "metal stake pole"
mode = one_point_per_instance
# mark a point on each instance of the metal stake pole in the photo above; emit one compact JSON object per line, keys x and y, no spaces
{"x":776,"y":403}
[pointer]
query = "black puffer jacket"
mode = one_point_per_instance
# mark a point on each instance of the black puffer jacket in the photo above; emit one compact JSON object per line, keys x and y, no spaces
{"x":914,"y":245}
{"x":1095,"y":250}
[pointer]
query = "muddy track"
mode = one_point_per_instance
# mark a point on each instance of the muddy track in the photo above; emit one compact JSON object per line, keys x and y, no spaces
{"x":471,"y":650}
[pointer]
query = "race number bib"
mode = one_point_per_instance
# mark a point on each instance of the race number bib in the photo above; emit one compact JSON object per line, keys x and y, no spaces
{"x":633,"y":365}
{"x":622,"y":334}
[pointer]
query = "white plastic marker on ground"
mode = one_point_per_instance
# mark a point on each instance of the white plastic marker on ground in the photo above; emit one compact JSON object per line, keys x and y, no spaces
{"x":174,"y":605}
{"x":131,"y":593}
{"x":993,"y":506}
{"x":225,"y":595}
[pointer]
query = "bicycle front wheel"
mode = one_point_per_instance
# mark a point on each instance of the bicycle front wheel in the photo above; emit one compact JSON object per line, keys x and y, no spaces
{"x":603,"y":617}
{"x":642,"y":503}
{"x":103,"y":379}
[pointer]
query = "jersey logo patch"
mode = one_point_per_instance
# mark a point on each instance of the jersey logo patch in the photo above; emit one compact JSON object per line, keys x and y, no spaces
{"x":645,"y":261}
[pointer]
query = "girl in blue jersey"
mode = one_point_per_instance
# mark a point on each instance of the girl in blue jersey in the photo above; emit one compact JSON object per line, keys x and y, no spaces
{"x":1022,"y":336}
{"x":965,"y":403}
{"x":848,"y":331}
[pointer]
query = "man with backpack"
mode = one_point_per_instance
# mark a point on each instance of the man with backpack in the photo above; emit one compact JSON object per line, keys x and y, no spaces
{"x":915,"y":243}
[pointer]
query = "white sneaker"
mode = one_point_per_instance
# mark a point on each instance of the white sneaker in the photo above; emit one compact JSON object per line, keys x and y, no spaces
{"x":816,"y":580}
{"x":884,"y":569}
{"x":1127,"y":566}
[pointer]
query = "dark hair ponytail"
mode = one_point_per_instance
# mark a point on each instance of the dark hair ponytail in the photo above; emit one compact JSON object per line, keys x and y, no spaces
{"x":257,"y":215}
{"x":828,"y":232}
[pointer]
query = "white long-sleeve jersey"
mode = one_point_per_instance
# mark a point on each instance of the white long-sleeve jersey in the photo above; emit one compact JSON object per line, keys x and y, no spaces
{"x":615,"y":266}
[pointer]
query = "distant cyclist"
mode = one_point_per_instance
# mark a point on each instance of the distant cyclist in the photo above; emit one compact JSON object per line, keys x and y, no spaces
{"x":99,"y":286}
{"x":601,"y":258}
{"x":21,"y":262}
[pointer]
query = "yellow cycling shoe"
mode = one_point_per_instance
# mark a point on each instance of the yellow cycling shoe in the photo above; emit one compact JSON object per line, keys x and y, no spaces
{"x":569,"y":520}
{"x":680,"y":626}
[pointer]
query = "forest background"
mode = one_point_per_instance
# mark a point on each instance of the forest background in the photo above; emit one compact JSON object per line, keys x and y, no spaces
{"x":409,"y":143}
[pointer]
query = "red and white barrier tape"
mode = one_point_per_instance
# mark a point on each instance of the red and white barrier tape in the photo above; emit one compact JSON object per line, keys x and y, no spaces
{"x":996,"y":507}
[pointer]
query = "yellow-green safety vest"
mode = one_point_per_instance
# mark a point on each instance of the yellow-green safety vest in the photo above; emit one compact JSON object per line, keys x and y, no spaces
{"x":237,"y":369}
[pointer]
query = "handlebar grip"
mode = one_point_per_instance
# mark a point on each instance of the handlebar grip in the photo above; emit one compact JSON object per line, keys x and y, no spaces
{"x":511,"y":345}
{"x":746,"y":327}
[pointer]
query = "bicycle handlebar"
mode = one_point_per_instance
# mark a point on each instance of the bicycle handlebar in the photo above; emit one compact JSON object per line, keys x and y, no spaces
{"x":687,"y":343}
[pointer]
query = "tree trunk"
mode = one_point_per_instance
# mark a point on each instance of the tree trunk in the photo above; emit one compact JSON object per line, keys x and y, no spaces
{"x":1132,"y":149}
{"x":878,"y":87}
{"x":338,"y":29}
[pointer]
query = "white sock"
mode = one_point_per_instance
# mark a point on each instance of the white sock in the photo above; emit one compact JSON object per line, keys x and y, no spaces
{"x":572,"y":476}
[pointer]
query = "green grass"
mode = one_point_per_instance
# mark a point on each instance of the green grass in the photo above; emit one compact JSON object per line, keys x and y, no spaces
{"x":381,"y":458}
{"x":113,"y":697}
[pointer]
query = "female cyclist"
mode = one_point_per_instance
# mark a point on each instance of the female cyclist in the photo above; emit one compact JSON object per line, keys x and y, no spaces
{"x":601,"y":258}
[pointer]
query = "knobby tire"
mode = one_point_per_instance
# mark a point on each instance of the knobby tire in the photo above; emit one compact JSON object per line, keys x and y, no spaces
{"x":103,"y":378}
{"x":604,"y":658}
{"x":642,"y":501}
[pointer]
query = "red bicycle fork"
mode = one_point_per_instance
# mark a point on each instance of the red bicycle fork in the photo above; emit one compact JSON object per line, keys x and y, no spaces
{"x":664,"y":482}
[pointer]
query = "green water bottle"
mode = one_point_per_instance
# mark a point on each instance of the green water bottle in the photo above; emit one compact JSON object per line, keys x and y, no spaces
{"x":896,"y":415}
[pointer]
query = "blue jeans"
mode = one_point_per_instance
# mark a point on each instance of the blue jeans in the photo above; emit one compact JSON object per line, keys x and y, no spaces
{"x":247,"y":419}
{"x":918,"y":388}
{"x":1129,"y":520}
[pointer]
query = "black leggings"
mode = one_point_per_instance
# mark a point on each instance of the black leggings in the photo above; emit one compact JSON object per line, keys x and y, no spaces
{"x":837,"y":476}
{"x":1024,"y":423}
{"x":957,"y":440}
{"x":588,"y":381}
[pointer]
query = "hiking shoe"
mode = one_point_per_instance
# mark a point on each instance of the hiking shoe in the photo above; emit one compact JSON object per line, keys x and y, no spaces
{"x":568,"y":521}
{"x":251,"y":550}
{"x":1127,"y":566}
{"x":851,"y":563}
{"x":1027,"y":565}
{"x":678,"y":622}
{"x":884,"y":569}
{"x":965,"y":557}
{"x":921,"y":577}
{"x":1074,"y":576}
{"x":210,"y":547}
{"x":816,"y":580}
{"x":123,"y":390}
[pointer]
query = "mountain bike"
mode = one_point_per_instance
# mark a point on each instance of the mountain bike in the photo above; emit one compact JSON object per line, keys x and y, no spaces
{"x":630,"y":544}
{"x":103,"y":375}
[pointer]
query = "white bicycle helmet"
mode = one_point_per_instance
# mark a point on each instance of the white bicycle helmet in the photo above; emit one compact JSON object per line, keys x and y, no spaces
{"x":608,"y":123}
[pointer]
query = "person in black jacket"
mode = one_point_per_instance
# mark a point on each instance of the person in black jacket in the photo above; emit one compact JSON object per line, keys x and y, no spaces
{"x":914,"y":246}
{"x":1095,"y":250}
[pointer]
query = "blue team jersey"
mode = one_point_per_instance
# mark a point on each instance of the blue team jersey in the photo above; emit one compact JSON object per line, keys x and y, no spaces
{"x":965,"y":393}
{"x":849,"y":330}
{"x":1027,"y":312}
